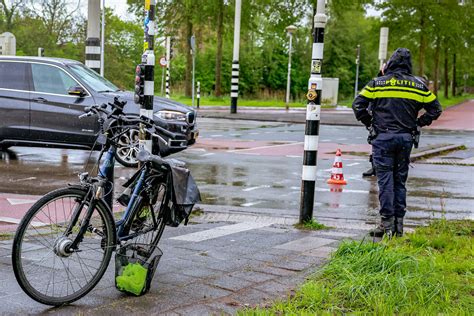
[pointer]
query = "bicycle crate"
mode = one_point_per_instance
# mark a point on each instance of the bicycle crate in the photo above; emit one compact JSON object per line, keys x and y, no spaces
{"x":135,"y":265}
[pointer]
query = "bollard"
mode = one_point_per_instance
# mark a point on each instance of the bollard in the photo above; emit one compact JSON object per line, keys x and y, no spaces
{"x":313,"y":112}
{"x":198,"y":94}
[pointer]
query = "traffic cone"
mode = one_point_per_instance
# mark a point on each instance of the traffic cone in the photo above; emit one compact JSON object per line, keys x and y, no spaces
{"x":336,"y":173}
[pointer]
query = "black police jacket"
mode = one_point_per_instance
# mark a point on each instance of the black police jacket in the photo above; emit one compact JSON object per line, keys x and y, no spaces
{"x":396,"y":98}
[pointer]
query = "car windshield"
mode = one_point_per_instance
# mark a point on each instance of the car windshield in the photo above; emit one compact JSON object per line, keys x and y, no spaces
{"x":93,"y":79}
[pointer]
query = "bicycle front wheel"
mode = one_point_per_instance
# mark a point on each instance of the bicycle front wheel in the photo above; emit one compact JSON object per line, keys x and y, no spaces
{"x":45,"y":268}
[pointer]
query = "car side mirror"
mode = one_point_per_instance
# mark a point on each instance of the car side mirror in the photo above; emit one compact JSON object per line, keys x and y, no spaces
{"x":77,"y":91}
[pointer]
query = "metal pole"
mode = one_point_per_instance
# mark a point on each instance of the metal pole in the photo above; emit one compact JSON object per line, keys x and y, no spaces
{"x":193,"y":52}
{"x":234,"y":89}
{"x":148,"y":59}
{"x":356,"y":85}
{"x":162,"y":79}
{"x":93,"y":36}
{"x":168,"y":62}
{"x":198,"y":93}
{"x":102,"y":40}
{"x":288,"y":81}
{"x":383,"y":44}
{"x":313,"y":113}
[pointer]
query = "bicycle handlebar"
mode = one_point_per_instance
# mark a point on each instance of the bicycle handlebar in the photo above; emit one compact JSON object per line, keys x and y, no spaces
{"x":117,"y":114}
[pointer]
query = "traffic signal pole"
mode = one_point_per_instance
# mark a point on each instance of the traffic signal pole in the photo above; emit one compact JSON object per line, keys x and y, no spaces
{"x":148,"y":67}
{"x":313,"y":113}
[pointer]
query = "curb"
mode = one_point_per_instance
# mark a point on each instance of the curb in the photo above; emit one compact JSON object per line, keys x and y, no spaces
{"x":435,"y":152}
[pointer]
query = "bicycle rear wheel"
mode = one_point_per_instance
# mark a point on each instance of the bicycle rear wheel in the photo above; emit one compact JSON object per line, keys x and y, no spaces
{"x":147,"y":224}
{"x":44,"y":267}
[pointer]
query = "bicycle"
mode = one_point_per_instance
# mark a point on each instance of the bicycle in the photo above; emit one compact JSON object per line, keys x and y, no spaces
{"x":64,"y":243}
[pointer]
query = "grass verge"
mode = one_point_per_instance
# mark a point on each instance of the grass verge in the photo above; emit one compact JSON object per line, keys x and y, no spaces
{"x":445,"y":102}
{"x":311,"y":225}
{"x":428,"y":272}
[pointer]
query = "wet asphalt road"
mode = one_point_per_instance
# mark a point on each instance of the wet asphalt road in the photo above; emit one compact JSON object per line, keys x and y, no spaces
{"x":260,"y":181}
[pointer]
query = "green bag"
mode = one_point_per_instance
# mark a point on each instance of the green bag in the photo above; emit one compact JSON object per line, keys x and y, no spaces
{"x":133,"y":279}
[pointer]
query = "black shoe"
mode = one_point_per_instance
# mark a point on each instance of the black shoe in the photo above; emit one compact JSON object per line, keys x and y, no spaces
{"x":399,"y":226}
{"x":369,"y":173}
{"x":386,"y":228}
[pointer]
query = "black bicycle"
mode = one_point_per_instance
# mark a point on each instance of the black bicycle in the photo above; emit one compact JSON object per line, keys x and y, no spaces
{"x":64,"y":243}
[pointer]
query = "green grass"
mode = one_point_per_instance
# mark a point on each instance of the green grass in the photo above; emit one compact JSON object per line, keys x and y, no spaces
{"x":428,"y":272}
{"x":225,"y":101}
{"x":445,"y":103}
{"x":311,"y":225}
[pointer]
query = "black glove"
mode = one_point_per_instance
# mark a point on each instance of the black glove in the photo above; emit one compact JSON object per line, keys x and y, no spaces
{"x":367,"y":121}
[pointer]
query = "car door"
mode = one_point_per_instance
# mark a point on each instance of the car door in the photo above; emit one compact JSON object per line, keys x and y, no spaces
{"x":54,"y":113}
{"x":14,"y":100}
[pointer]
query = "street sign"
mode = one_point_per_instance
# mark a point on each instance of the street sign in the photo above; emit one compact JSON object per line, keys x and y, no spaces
{"x":163,"y":61}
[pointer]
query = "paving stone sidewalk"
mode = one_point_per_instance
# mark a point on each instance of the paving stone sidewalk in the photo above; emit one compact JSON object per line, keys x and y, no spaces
{"x":208,"y":268}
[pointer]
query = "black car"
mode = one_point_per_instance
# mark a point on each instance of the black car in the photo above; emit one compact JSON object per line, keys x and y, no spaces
{"x":41,"y":99}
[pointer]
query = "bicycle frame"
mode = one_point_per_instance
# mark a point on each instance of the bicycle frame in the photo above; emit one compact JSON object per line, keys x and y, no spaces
{"x":106,"y":171}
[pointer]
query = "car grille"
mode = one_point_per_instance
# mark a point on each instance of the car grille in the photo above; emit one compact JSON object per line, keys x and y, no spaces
{"x":191,"y":117}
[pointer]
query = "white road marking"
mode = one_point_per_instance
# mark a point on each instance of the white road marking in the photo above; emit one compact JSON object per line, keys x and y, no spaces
{"x":305,"y":244}
{"x":254,"y":133}
{"x":196,"y":149}
{"x":294,"y":156}
{"x":208,"y":154}
{"x":329,"y":190}
{"x":235,"y":134}
{"x":250,"y":204}
{"x":17,"y":221}
{"x":342,"y":139}
{"x":20,"y":201}
{"x":265,"y":147}
{"x":255,"y":188}
{"x":353,"y":164}
{"x":218,"y":135}
{"x":220,"y":231}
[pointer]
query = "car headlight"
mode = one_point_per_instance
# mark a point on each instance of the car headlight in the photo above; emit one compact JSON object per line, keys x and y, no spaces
{"x":171,"y":115}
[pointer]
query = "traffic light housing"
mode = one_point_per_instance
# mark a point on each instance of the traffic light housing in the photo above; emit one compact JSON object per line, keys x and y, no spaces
{"x":171,"y":47}
{"x":139,"y":84}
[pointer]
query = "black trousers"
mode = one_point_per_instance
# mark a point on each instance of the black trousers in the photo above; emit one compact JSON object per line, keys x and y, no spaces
{"x":391,"y":154}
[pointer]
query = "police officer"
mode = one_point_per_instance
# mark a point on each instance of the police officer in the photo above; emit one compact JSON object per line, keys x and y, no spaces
{"x":396,"y":97}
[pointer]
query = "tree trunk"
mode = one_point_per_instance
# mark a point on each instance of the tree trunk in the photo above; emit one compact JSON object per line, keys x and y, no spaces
{"x":421,"y":65}
{"x":189,"y":59}
{"x":453,"y":93}
{"x":446,"y":74}
{"x":220,"y":30}
{"x":436,"y":67}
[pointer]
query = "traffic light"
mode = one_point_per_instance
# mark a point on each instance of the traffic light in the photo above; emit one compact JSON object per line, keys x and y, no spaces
{"x":171,"y":47}
{"x":139,"y":84}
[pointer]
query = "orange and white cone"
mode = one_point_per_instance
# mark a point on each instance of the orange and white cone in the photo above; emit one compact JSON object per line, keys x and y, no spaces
{"x":337,"y":177}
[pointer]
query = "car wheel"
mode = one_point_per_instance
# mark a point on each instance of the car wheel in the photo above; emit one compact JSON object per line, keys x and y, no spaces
{"x":127,"y":149}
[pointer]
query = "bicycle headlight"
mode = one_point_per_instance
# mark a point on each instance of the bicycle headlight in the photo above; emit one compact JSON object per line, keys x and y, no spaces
{"x":171,"y":115}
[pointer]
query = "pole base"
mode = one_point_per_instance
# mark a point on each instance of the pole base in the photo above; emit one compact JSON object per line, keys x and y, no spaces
{"x":233,"y":105}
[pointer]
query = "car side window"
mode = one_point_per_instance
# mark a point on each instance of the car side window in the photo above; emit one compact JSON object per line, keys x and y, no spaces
{"x":13,"y":75}
{"x":51,"y":79}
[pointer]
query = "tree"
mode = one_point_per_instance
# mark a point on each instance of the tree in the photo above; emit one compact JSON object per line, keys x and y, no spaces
{"x":9,"y":12}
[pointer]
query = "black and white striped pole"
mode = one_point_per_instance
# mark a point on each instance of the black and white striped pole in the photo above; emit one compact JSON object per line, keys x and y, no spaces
{"x":313,"y":112}
{"x":234,"y":89}
{"x":93,"y":36}
{"x":198,"y":94}
{"x":148,"y":60}
{"x":168,"y":62}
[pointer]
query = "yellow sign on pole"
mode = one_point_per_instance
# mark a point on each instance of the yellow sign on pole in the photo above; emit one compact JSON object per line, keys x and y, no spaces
{"x":147,"y":5}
